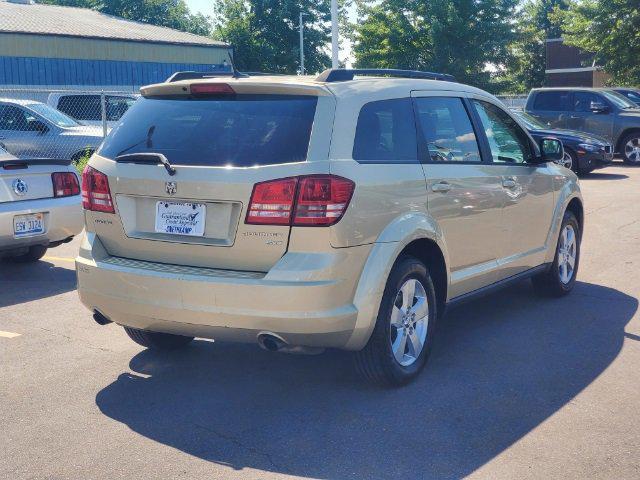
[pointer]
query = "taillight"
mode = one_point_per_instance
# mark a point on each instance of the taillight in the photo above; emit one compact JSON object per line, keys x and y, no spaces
{"x":322,"y":200}
{"x":272,"y":202}
{"x":316,"y":200}
{"x":65,"y":184}
{"x":95,"y":191}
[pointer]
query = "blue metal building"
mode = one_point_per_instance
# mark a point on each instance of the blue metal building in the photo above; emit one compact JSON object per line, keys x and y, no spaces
{"x":61,"y":47}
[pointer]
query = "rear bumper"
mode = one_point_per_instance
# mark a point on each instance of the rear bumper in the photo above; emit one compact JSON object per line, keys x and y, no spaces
{"x":307,"y":299}
{"x":62,"y":217}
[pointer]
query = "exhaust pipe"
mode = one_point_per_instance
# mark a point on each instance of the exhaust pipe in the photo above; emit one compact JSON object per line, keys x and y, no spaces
{"x":271,"y":342}
{"x":274,"y":343}
{"x":100,"y":319}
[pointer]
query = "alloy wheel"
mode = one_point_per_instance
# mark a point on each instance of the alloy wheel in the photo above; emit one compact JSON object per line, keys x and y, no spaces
{"x":632,"y":150}
{"x":567,"y":161}
{"x":409,"y":322}
{"x":567,"y":253}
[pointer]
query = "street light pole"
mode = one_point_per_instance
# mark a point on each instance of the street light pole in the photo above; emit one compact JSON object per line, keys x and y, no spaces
{"x":301,"y":45}
{"x":334,"y":34}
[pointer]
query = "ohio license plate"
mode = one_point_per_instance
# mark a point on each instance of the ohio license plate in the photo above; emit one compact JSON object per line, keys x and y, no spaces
{"x":27,"y":225}
{"x":180,"y":218}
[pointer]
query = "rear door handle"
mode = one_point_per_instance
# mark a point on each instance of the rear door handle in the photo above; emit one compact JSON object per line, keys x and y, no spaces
{"x":509,"y":182}
{"x":442,"y":187}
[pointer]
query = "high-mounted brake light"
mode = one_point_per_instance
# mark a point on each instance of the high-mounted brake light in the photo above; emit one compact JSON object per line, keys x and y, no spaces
{"x":212,"y":89}
{"x":314,"y":200}
{"x":65,"y":184}
{"x":96,"y":195}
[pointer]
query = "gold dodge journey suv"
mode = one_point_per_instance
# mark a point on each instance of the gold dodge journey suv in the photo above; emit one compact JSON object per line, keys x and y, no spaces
{"x":344,"y":211}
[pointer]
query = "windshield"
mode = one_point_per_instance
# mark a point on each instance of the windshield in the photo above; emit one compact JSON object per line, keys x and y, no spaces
{"x":530,"y":122}
{"x":633,"y":96}
{"x":241,"y":131}
{"x":619,"y":100}
{"x":54,"y":116}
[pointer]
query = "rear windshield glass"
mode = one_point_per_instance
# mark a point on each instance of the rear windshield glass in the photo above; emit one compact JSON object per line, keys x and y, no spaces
{"x":552,"y":101}
{"x":240,"y":131}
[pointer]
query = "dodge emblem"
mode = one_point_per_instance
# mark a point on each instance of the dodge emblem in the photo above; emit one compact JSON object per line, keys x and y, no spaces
{"x":171,"y":188}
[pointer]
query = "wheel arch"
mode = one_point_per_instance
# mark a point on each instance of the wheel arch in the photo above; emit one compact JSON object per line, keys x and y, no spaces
{"x":420,"y":237}
{"x":575,"y":206}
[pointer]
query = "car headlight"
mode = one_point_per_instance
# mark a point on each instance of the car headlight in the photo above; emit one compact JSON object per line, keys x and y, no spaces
{"x":589,"y":147}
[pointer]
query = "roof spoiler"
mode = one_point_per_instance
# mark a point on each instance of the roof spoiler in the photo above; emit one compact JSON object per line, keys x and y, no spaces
{"x":343,"y":75}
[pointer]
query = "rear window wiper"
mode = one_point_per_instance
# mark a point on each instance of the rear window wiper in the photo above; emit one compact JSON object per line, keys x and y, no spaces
{"x":148,"y":158}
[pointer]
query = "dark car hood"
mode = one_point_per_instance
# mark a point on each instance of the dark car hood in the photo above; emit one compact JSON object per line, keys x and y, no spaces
{"x":570,"y":135}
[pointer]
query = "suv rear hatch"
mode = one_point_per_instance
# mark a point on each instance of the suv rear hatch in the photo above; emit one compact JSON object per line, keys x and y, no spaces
{"x":183,"y":162}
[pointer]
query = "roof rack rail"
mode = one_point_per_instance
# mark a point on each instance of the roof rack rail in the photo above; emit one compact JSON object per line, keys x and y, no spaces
{"x":344,"y":75}
{"x":189,"y":75}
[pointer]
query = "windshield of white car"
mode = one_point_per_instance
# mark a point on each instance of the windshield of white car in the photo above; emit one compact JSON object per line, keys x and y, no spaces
{"x":54,"y":116}
{"x":619,"y":100}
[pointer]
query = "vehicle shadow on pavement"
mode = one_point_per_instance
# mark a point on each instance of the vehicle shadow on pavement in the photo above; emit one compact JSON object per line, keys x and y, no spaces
{"x":500,"y":367}
{"x":20,"y":283}
{"x":603,"y":176}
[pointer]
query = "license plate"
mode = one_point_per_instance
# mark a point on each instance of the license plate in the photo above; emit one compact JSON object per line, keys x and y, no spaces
{"x":27,"y":225}
{"x":180,"y":218}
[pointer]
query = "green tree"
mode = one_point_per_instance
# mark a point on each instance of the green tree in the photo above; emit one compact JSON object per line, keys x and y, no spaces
{"x":264,"y":33}
{"x":535,"y":23}
{"x":460,"y":37}
{"x":611,"y":30}
{"x":166,"y":13}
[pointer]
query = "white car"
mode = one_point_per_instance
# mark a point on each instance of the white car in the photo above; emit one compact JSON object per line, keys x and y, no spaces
{"x":86,"y":107}
{"x":30,"y":129}
{"x":40,"y":206}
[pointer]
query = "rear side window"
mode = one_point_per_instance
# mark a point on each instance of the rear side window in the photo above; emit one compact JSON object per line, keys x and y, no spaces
{"x":386,"y":133}
{"x":447,"y":130}
{"x":240,"y":131}
{"x":81,"y":107}
{"x":552,"y":101}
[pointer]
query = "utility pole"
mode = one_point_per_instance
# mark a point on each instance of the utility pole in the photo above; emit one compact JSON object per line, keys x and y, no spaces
{"x":334,"y":34}
{"x":301,"y":45}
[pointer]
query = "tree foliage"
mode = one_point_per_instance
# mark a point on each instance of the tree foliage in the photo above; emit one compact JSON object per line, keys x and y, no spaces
{"x":166,"y":13}
{"x":460,"y":37}
{"x":611,"y":30}
{"x":265,"y":37}
{"x":535,"y":22}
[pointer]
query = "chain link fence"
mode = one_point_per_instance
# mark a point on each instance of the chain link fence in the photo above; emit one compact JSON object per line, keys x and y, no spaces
{"x":60,"y":124}
{"x":517,"y":102}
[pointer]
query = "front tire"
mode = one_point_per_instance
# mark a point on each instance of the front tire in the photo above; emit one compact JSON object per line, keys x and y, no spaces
{"x":402,"y":337}
{"x":630,"y":149}
{"x":560,"y":279}
{"x":157,"y":340}
{"x":34,"y":254}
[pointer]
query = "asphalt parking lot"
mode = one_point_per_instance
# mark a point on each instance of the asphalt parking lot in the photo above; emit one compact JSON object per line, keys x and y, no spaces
{"x":517,"y":386}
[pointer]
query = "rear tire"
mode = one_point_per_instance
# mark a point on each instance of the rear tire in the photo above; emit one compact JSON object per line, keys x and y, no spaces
{"x":157,"y":340}
{"x":630,"y":149}
{"x":403,"y":317}
{"x":34,"y":254}
{"x":560,"y":279}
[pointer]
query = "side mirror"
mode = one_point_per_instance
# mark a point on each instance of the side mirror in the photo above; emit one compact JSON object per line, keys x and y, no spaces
{"x":38,"y":126}
{"x":599,"y":107}
{"x":551,"y":149}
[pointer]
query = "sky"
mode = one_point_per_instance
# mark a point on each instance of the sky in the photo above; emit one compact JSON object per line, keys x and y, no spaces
{"x":206,"y":8}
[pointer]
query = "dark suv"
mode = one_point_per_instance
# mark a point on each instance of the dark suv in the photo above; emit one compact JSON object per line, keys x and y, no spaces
{"x":601,"y":112}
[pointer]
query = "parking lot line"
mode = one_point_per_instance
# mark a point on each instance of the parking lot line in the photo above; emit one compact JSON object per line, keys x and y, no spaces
{"x":59,"y":259}
{"x":9,"y":334}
